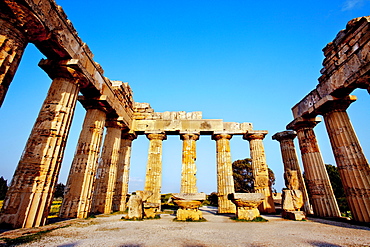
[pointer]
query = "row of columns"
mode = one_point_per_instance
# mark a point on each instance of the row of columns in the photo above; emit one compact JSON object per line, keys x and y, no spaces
{"x":225,"y":181}
{"x":353,"y":168}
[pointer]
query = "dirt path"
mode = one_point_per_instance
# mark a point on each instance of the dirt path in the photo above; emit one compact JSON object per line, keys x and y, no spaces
{"x":219,"y":230}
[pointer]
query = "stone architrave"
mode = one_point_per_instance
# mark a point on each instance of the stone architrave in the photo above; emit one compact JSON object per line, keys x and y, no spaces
{"x":153,"y":179}
{"x":107,"y":169}
{"x":12,"y":45}
{"x":353,"y":167}
{"x":123,"y":172}
{"x":30,"y":194}
{"x":225,"y":180}
{"x":189,"y":169}
{"x":80,"y":184}
{"x":321,"y":193}
{"x":290,"y":160}
{"x":260,"y":169}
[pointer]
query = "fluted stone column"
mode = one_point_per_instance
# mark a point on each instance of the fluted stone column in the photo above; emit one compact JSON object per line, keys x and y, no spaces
{"x":353,"y":167}
{"x":107,"y":169}
{"x":189,"y":169}
{"x":321,"y":193}
{"x":80,"y":183}
{"x":290,"y":160}
{"x":123,"y":172}
{"x":30,"y":194}
{"x":12,"y":45}
{"x":153,"y":179}
{"x":260,"y":170}
{"x":225,"y":180}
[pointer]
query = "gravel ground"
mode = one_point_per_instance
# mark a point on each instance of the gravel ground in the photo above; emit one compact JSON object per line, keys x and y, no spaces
{"x":219,"y":230}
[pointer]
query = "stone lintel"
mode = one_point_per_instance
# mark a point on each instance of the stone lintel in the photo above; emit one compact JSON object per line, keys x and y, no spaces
{"x":330,"y":103}
{"x":189,"y":196}
{"x":116,"y":123}
{"x":100,"y":103}
{"x":303,"y":122}
{"x":255,"y":134}
{"x":284,"y":135}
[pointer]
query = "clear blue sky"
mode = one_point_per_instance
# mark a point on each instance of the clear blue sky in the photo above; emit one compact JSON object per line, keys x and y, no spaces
{"x":240,"y":61}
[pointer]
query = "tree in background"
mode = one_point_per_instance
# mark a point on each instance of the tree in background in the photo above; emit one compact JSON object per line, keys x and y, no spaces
{"x":59,"y":190}
{"x":243,"y":176}
{"x":337,"y":186}
{"x":3,"y":188}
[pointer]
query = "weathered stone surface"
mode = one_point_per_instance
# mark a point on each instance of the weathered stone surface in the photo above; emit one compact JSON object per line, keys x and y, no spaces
{"x":189,"y":196}
{"x":246,"y":204}
{"x":293,"y":215}
{"x":189,"y":169}
{"x":260,"y":169}
{"x":188,"y":214}
{"x":135,"y":207}
{"x":292,"y":200}
{"x":225,"y":180}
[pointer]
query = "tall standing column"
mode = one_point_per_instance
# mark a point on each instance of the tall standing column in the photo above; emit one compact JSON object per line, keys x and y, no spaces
{"x":321,"y":193}
{"x":153,"y":179}
{"x":290,"y":160}
{"x":189,"y":169}
{"x":353,"y":167}
{"x":225,"y":180}
{"x":79,"y":187}
{"x":30,"y":195}
{"x":260,"y":169}
{"x":12,"y":45}
{"x":107,"y":169}
{"x":123,"y":172}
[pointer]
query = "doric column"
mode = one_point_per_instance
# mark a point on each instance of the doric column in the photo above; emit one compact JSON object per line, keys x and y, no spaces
{"x":260,"y":169}
{"x":31,"y":192}
{"x":107,"y":169}
{"x":189,"y":169}
{"x":352,"y":164}
{"x":123,"y":172}
{"x":153,"y":179}
{"x":290,"y":160}
{"x":12,"y":45}
{"x":79,"y":187}
{"x":321,"y":193}
{"x":225,"y":180}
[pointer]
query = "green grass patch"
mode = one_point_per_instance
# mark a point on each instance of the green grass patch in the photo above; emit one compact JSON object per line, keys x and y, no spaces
{"x":55,"y":208}
{"x":133,"y":219}
{"x":257,"y":219}
{"x":157,"y":216}
{"x":190,"y":220}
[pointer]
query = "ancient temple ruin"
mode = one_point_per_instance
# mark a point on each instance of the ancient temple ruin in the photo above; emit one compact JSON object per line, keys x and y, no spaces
{"x":346,"y":67}
{"x":94,"y":187}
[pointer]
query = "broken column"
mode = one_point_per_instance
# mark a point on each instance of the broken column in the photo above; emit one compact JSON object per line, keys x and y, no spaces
{"x":189,"y":169}
{"x":260,"y":169}
{"x":79,"y":188}
{"x":30,"y":194}
{"x":321,"y":193}
{"x":247,"y":204}
{"x":107,"y":169}
{"x":353,"y":167}
{"x":123,"y":172}
{"x":290,"y":160}
{"x":153,"y":178}
{"x":188,"y":206}
{"x":225,"y":180}
{"x":12,"y":45}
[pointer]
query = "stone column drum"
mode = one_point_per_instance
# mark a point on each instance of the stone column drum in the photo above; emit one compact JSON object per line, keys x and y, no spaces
{"x":290,"y":160}
{"x":260,"y":170}
{"x":322,"y":197}
{"x":189,"y":169}
{"x":353,"y":167}
{"x":225,"y":180}
{"x":12,"y":45}
{"x":153,"y":179}
{"x":107,"y":169}
{"x":123,"y":172}
{"x":30,"y":194}
{"x":80,"y":183}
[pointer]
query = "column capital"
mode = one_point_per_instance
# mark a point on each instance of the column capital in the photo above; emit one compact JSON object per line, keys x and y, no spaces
{"x":129,"y":136}
{"x":100,"y":102}
{"x":156,"y":136}
{"x":330,"y":104}
{"x":189,"y":136}
{"x":221,"y":136}
{"x":255,"y":134}
{"x":115,"y":123}
{"x":301,"y":123}
{"x":284,"y":135}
